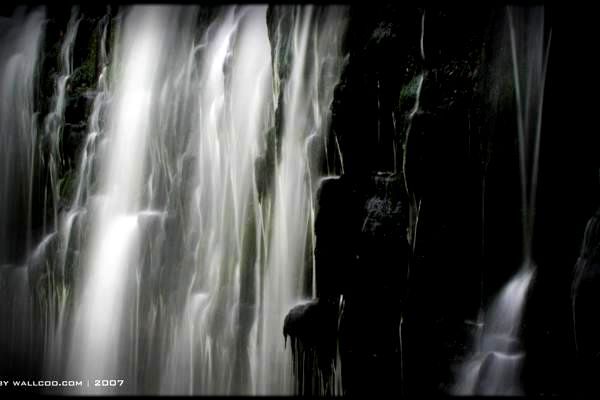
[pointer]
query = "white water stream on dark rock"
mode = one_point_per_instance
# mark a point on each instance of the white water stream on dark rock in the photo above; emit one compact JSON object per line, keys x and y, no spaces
{"x":174,"y":265}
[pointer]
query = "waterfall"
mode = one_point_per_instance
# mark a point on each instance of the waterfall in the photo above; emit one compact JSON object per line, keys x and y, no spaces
{"x":111,"y":255}
{"x":22,"y":36}
{"x":20,"y":50}
{"x":55,"y":119}
{"x":55,"y":300}
{"x":207,"y":351}
{"x":188,"y":232}
{"x":313,"y":44}
{"x":495,"y":368}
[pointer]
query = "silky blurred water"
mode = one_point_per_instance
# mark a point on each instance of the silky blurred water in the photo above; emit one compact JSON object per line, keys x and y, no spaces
{"x":497,"y":360}
{"x":189,"y":231}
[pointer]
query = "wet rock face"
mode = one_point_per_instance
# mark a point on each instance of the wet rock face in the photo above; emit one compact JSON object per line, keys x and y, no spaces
{"x":362,"y":253}
{"x":586,"y":300}
{"x":312,"y":330}
{"x":314,"y":324}
{"x":382,"y":46}
{"x":361,"y":249}
{"x":361,"y":245}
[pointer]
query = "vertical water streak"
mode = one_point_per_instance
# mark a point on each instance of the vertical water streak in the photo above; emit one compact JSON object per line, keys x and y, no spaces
{"x":53,"y":124}
{"x":72,"y":221}
{"x":54,"y":300}
{"x":209,"y":351}
{"x":98,"y":346}
{"x":414,"y":202}
{"x":495,"y":368}
{"x":20,"y":40}
{"x":22,"y":36}
{"x":529,"y":56}
{"x":310,"y":57}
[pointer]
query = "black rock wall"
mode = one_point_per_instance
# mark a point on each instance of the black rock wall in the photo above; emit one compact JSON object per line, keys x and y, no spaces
{"x":462,"y":164}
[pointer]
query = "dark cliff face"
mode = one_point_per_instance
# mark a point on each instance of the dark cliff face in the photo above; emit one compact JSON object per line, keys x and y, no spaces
{"x":462,"y":164}
{"x":389,"y":97}
{"x":585,"y":300}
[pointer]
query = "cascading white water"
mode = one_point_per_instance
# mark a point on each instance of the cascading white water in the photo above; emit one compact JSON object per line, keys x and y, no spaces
{"x":53,"y":124}
{"x":71,"y":225}
{"x":315,"y":67}
{"x":230,"y":103}
{"x":98,"y":339}
{"x":495,"y":368}
{"x":55,"y":301}
{"x":21,"y":38}
{"x":189,"y":233}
